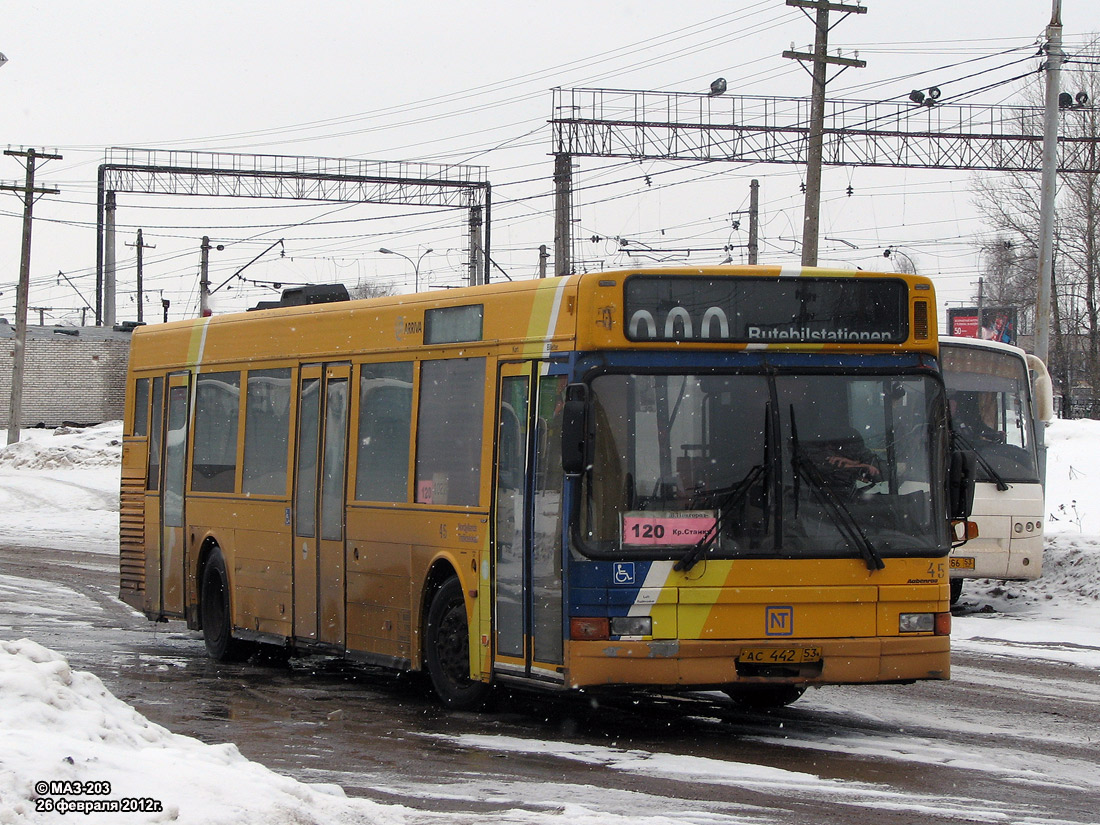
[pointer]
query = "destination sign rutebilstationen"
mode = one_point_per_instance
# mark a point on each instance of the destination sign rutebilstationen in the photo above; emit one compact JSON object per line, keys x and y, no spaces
{"x":765,"y":310}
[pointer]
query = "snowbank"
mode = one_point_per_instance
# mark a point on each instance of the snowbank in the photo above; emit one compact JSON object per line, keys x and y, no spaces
{"x":63,"y":726}
{"x":65,"y":448}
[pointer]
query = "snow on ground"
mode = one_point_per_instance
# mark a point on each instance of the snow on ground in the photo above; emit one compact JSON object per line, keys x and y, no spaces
{"x":1056,"y":617}
{"x":63,"y":725}
{"x":60,"y":489}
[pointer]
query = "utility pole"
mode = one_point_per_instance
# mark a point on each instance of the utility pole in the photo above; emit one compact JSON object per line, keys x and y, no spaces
{"x":29,"y":191}
{"x":1050,"y":179}
{"x":140,"y":296}
{"x":754,"y":214}
{"x":821,"y":61}
{"x":543,"y":255}
{"x":981,"y":305}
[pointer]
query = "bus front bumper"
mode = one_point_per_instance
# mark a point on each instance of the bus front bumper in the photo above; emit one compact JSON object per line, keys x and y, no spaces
{"x":708,"y":664}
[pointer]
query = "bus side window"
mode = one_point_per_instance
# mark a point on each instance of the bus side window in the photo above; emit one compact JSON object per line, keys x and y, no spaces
{"x":266,"y":431}
{"x":141,"y":407}
{"x":385,"y":421}
{"x":152,"y":481}
{"x":217,"y":410}
{"x":450,"y":423}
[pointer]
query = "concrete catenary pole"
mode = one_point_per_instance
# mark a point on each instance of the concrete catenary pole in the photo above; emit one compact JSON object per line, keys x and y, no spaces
{"x":754,"y":221}
{"x":109,"y":273}
{"x":1049,"y":185}
{"x":563,"y":214}
{"x":204,"y":278}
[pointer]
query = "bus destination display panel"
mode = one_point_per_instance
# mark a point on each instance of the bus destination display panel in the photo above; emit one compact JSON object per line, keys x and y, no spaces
{"x":759,"y":310}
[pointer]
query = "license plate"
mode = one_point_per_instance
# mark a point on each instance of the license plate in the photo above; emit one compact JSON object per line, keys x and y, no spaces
{"x":780,"y":655}
{"x":962,"y":563}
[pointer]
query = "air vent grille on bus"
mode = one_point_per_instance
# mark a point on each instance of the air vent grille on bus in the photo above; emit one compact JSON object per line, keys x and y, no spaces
{"x":920,"y":320}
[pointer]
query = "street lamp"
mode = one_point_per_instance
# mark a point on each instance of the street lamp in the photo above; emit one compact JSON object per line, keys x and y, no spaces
{"x":416,"y":264}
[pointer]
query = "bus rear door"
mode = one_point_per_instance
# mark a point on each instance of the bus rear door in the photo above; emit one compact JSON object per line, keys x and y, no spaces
{"x":318,"y":556}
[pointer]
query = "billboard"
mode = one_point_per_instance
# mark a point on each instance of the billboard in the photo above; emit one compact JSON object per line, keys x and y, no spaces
{"x":998,"y":323}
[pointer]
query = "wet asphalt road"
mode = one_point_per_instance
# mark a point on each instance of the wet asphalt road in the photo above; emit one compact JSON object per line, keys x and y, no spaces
{"x":1009,"y":739}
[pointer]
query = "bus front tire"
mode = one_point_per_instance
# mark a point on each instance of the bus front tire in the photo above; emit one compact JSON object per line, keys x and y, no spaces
{"x":956,"y":590}
{"x":447,"y":650}
{"x":217,"y":618}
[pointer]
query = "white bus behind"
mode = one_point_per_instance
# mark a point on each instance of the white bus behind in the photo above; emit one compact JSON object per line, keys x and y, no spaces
{"x":999,"y":398}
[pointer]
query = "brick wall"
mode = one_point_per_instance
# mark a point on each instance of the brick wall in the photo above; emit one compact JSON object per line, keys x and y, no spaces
{"x":67,"y":378}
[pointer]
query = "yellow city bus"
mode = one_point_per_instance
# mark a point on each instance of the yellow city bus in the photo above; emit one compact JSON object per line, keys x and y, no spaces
{"x":733,"y":478}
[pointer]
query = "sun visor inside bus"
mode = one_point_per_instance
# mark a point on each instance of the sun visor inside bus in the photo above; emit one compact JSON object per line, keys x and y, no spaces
{"x":311,"y":294}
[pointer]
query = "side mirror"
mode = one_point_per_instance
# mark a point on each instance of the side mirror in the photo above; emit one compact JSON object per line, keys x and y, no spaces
{"x":960,"y":484}
{"x":962,"y":532}
{"x":1041,"y":387}
{"x":574,"y":430}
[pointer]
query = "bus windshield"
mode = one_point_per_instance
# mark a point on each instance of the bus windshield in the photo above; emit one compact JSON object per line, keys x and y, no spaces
{"x":765,"y":465}
{"x":988,"y":392}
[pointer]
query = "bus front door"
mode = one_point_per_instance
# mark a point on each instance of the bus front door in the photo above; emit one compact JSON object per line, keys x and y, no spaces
{"x":319,"y":497}
{"x":173,"y":558}
{"x":528,"y":621}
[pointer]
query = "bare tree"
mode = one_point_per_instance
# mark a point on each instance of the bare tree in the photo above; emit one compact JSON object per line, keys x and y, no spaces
{"x":1010,"y":203}
{"x":1008,"y":273}
{"x":371,"y":290}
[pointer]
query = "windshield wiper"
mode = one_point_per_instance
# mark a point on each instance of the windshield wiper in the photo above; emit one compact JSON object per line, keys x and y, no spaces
{"x":1002,"y":485}
{"x":845,"y":521}
{"x":726,"y":498}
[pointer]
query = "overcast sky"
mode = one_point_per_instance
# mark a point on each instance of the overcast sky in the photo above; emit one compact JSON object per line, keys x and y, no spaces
{"x":466,"y":83}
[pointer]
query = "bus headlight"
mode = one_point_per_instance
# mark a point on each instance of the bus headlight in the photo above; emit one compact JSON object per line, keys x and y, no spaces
{"x":916,"y":622}
{"x":631,"y":626}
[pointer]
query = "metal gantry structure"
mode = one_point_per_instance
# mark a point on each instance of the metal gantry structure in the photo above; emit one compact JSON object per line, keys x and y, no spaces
{"x":647,"y":125}
{"x":340,"y":180}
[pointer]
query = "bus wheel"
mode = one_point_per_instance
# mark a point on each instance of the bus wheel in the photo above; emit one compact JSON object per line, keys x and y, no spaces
{"x":217,"y":625}
{"x":764,"y":697}
{"x":447,"y":650}
{"x":956,"y":590}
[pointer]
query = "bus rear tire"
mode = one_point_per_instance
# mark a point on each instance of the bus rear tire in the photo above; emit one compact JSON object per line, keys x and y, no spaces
{"x":447,"y":650}
{"x":217,"y":617}
{"x":764,"y":697}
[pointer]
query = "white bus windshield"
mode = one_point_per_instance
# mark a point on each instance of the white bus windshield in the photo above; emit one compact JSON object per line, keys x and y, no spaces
{"x":988,"y":392}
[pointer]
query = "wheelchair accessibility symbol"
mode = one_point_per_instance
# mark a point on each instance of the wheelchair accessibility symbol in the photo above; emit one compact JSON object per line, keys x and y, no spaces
{"x":623,"y":572}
